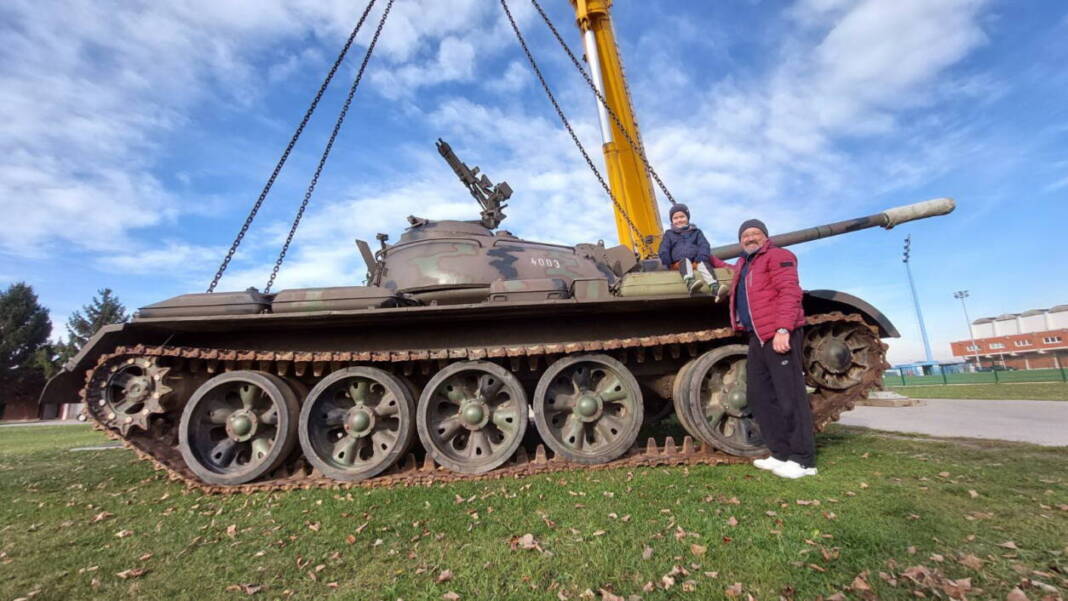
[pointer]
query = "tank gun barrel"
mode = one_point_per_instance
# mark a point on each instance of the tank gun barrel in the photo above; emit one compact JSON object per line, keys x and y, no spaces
{"x":491,"y":196}
{"x":886,"y":219}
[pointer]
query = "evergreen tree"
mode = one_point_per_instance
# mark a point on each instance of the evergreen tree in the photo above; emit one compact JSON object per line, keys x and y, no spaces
{"x":24,"y":328}
{"x":103,"y":310}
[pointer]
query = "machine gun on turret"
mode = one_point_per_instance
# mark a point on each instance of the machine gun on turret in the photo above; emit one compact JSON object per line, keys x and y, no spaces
{"x":491,"y":196}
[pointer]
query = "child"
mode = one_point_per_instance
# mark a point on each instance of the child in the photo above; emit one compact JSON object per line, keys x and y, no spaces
{"x":684,"y":246}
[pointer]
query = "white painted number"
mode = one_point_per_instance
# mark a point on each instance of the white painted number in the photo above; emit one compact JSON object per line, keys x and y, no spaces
{"x":545,"y":262}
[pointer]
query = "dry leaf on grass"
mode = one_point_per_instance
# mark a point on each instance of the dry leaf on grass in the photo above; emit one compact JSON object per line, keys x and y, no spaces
{"x":647,"y":552}
{"x":450,"y":596}
{"x":444,"y":576}
{"x":971,"y":561}
{"x":248,"y":589}
{"x":1016,"y":595}
{"x":689,"y":586}
{"x":860,"y":584}
{"x":667,"y":582}
{"x":231,"y":530}
{"x":698,"y":549}
{"x":145,"y":557}
{"x":132,"y":573}
{"x":124,"y":533}
{"x":839,"y":596}
{"x":973,"y":494}
{"x":609,"y":596}
{"x":1008,"y":545}
{"x":103,"y":515}
{"x":732,"y":521}
{"x":733,"y":590}
{"x":525,"y":542}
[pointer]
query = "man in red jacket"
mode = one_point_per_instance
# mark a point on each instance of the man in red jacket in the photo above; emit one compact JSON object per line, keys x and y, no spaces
{"x":766,"y":304}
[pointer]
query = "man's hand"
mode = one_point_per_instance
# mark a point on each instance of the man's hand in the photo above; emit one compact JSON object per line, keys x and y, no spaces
{"x":781,"y":342}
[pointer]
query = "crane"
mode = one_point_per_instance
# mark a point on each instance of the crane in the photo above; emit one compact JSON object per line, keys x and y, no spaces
{"x":627,"y":173}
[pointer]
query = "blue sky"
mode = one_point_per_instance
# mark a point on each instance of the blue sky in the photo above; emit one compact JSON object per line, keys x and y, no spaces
{"x":138,"y":134}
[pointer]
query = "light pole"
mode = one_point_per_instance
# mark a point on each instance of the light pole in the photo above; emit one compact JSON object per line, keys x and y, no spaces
{"x":916,"y":301}
{"x":963,"y":294}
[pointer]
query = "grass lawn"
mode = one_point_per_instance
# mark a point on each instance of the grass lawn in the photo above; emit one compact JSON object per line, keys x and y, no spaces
{"x":887,"y":513}
{"x":1046,"y":391}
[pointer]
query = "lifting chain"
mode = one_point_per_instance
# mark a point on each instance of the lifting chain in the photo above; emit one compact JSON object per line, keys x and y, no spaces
{"x":329,"y":146}
{"x":289,"y":149}
{"x":636,"y":145}
{"x":646,"y":250}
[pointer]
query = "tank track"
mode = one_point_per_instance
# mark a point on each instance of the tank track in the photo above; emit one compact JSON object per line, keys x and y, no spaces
{"x":158,"y":444}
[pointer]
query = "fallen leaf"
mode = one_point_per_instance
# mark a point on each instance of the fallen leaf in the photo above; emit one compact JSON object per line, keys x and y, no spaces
{"x":859,"y":584}
{"x":444,"y":576}
{"x":315,"y":526}
{"x":598,"y":533}
{"x":587,"y":594}
{"x":733,"y":590}
{"x":1008,"y":545}
{"x":647,"y":552}
{"x":689,"y":586}
{"x":248,"y":589}
{"x":648,"y":587}
{"x":609,"y":596}
{"x":698,"y":549}
{"x":864,"y":485}
{"x":732,"y":521}
{"x":231,"y":530}
{"x":124,"y":533}
{"x":667,"y":582}
{"x":1016,"y":595}
{"x":525,"y":542}
{"x":450,"y":596}
{"x":350,"y":539}
{"x":911,"y":550}
{"x":973,"y":494}
{"x":712,"y":574}
{"x":937,"y":557}
{"x":103,"y":515}
{"x":839,"y":596}
{"x":145,"y":557}
{"x":132,"y":573}
{"x":816,"y":567}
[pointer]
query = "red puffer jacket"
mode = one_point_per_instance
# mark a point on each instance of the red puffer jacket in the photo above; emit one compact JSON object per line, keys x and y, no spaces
{"x":772,"y":288}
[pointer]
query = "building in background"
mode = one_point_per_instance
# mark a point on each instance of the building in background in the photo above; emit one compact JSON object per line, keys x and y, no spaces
{"x":1036,"y":339}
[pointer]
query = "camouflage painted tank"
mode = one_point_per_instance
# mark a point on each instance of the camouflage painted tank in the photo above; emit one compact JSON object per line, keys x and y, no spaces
{"x":465,"y":343}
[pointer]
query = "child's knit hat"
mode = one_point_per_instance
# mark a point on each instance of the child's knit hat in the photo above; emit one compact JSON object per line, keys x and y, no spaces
{"x":677,"y":207}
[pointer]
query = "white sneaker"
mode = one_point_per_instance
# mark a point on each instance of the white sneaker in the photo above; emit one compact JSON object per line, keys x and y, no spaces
{"x":793,"y":470}
{"x":768,"y":463}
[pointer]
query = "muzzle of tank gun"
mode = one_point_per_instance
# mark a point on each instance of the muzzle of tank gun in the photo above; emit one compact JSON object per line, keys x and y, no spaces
{"x":919,"y":210}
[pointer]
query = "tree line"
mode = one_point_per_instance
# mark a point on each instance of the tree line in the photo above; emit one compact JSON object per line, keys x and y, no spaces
{"x":28,"y":357}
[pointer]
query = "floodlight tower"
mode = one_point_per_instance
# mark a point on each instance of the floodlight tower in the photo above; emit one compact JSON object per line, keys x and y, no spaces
{"x":916,"y":301}
{"x":961,"y":295}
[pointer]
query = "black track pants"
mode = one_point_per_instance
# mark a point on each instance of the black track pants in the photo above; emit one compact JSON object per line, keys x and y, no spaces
{"x":779,"y":402}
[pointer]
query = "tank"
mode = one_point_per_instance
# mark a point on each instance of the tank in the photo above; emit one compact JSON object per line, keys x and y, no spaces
{"x":467,"y":353}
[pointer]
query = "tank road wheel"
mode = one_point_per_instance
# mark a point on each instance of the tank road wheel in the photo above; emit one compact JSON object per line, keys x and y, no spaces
{"x":837,"y":355}
{"x":715,"y":398}
{"x":356,"y":423}
{"x":129,"y":391}
{"x":472,"y":416}
{"x":238,"y":426}
{"x":588,"y":408}
{"x":680,"y":397}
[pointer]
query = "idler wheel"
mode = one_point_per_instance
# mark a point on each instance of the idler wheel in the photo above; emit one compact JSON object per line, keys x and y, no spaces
{"x":472,"y":416}
{"x":356,"y":423}
{"x":712,"y":401}
{"x":238,"y":426}
{"x":588,"y":408}
{"x":837,"y":355}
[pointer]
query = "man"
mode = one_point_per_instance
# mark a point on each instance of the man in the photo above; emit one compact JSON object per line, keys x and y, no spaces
{"x":765,"y":302}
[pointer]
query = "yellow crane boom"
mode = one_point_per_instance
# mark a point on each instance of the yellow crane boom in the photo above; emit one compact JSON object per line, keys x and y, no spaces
{"x":627,"y":176}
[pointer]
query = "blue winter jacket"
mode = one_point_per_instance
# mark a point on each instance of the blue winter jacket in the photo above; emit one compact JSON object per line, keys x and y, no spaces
{"x":688,"y":243}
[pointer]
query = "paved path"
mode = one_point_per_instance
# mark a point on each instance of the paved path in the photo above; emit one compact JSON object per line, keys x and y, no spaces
{"x":1038,"y":422}
{"x":47,"y":422}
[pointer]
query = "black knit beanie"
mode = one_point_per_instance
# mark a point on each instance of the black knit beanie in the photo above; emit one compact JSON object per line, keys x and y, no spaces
{"x":675,"y":208}
{"x":748,"y":223}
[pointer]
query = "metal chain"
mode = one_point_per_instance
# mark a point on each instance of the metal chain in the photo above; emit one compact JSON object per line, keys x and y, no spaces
{"x":329,"y":147}
{"x":545,"y":86}
{"x":289,"y":149}
{"x":637,"y":146}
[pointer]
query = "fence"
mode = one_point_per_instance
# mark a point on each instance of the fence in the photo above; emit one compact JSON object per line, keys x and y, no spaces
{"x":894,"y":378}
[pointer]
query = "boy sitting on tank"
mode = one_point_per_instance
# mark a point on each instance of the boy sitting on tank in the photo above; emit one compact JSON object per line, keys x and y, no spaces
{"x":685,"y":248}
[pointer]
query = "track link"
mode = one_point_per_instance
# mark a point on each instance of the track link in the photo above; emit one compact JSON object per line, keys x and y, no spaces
{"x":158,"y":445}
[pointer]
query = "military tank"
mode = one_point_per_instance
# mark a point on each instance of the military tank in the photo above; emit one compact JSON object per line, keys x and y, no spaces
{"x":464,"y":342}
